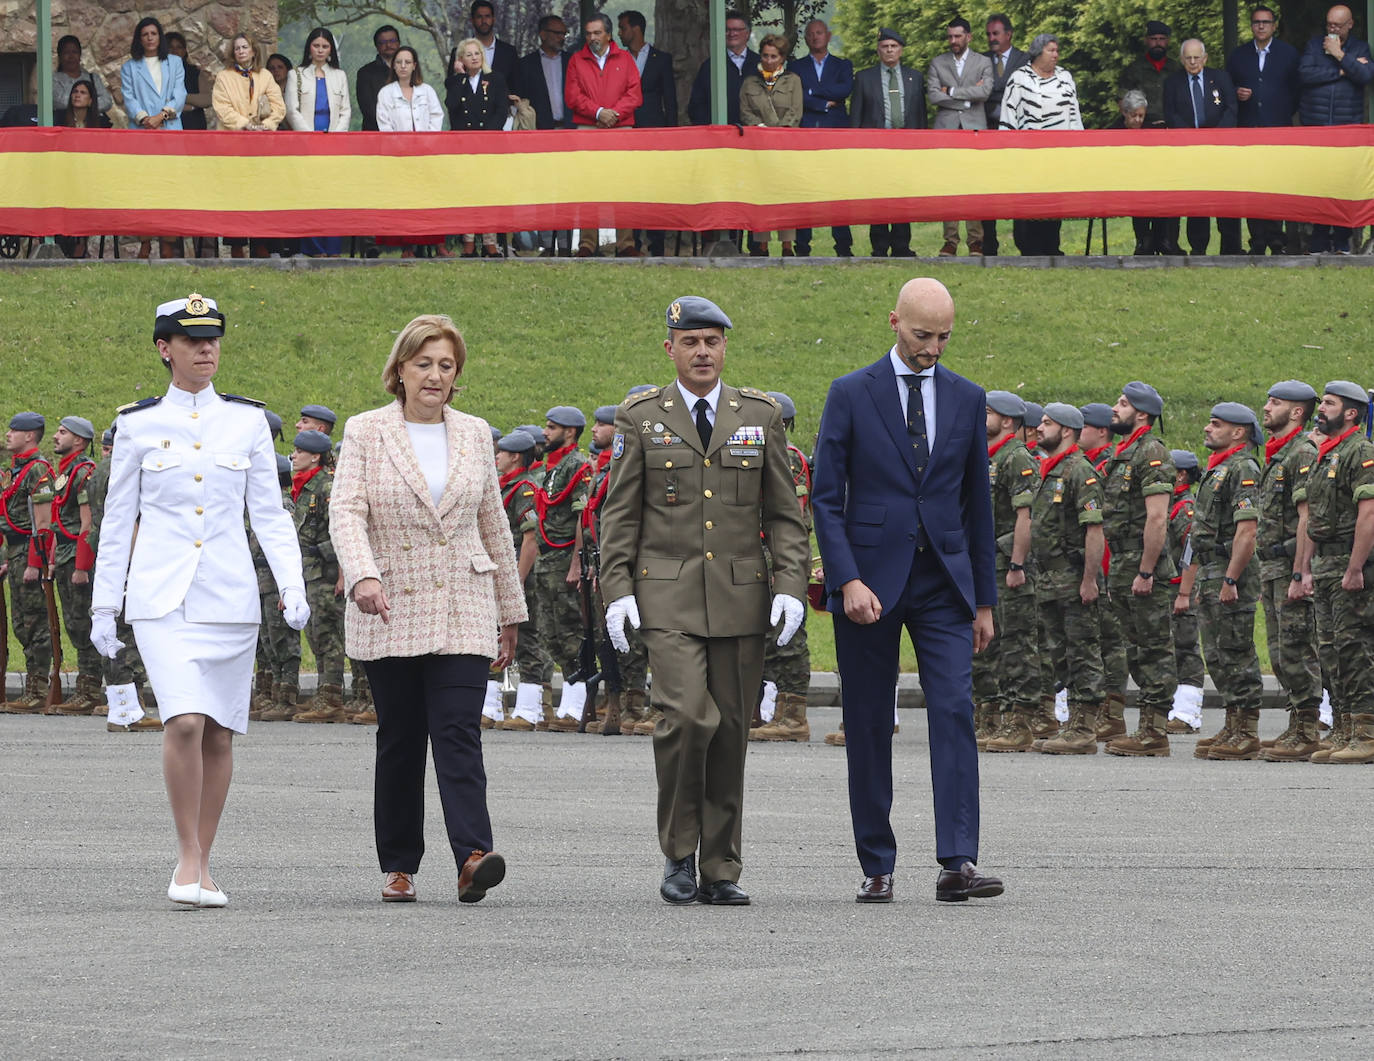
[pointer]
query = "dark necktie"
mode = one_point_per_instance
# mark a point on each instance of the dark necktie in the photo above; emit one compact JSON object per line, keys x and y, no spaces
{"x":894,"y":98}
{"x":916,"y":421}
{"x":703,"y":423}
{"x":1197,"y":100}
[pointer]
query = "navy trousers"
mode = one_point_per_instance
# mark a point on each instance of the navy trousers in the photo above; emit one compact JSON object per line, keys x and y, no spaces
{"x":934,"y":616}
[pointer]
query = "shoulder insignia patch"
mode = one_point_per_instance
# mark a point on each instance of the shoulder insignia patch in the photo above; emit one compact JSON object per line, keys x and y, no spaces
{"x":635,"y":399}
{"x":1366,"y":464}
{"x":1155,"y":464}
{"x":142,"y":403}
{"x":1303,"y":469}
{"x":1089,"y":481}
{"x":244,"y":401}
{"x":1027,"y":471}
{"x":618,"y":445}
{"x":1251,"y":482}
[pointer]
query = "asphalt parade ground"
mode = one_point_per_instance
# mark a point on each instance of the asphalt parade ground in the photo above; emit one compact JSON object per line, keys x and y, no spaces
{"x":1154,"y":908}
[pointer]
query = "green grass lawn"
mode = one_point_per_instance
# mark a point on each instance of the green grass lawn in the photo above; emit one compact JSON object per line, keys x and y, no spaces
{"x":78,"y":339}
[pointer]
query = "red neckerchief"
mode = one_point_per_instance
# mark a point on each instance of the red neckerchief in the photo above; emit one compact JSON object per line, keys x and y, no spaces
{"x":299,"y":479}
{"x":1331,"y":443}
{"x":1181,"y":488}
{"x":1217,"y":458}
{"x":1047,"y":465}
{"x":1277,"y":443}
{"x":543,"y":502}
{"x":1178,"y":505}
{"x":504,"y":481}
{"x":61,"y":499}
{"x":1158,"y":64}
{"x":19,"y":467}
{"x":992,"y":450}
{"x":1131,"y":439}
{"x":594,"y":502}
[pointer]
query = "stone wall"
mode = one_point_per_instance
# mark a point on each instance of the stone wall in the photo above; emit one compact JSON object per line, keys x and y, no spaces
{"x":106,"y":28}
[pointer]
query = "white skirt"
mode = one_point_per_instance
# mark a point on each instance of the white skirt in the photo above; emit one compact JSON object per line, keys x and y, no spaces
{"x":199,"y":668}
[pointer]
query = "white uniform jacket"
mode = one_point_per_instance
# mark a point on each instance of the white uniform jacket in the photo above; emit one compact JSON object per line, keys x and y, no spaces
{"x":181,"y":473}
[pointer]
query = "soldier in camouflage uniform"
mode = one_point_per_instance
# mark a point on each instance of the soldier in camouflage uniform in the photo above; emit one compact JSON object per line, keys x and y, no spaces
{"x":1227,"y":585}
{"x":1136,"y":490}
{"x":72,"y":558}
{"x":1067,"y":544}
{"x":1096,"y":443}
{"x":788,"y":666}
{"x":1006,"y":675}
{"x":312,"y":477}
{"x":279,"y":647}
{"x":1186,"y":714}
{"x":1339,"y":491}
{"x":559,"y":500}
{"x":1290,"y":624}
{"x":533,"y":665}
{"x":28,"y":477}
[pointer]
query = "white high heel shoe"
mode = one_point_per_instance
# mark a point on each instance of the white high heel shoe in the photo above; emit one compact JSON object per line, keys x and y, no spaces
{"x":186,"y":894}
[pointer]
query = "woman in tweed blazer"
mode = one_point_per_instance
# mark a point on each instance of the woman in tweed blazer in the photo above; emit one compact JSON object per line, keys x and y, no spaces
{"x":418,"y":526}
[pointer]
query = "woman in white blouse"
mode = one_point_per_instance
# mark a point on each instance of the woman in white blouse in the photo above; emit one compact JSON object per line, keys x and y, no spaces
{"x":406,"y":104}
{"x":317,"y":101}
{"x":1041,"y":96}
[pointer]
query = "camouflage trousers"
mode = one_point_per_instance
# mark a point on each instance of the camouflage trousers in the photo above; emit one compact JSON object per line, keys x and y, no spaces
{"x":127,"y":666}
{"x":788,"y":666}
{"x":531,"y":659}
{"x":1291,"y":630}
{"x":1187,"y":650}
{"x":1228,"y":641}
{"x":1071,"y":641}
{"x":1347,"y":619}
{"x":325,"y":631}
{"x":28,"y":612}
{"x":1147,"y":635}
{"x":560,"y":613}
{"x":1008,"y":671}
{"x":279,"y":647}
{"x":1114,"y":665}
{"x":76,"y":617}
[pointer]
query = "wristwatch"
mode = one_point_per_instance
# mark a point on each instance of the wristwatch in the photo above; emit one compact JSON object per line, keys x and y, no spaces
{"x":1228,"y":580}
{"x":1014,"y":566}
{"x":1297,"y":576}
{"x":1146,"y":575}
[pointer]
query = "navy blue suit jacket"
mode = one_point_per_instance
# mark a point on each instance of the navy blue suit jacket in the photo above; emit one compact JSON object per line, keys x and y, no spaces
{"x":659,"y":108}
{"x":836,"y":83}
{"x":869,"y":505}
{"x":1218,"y":101}
{"x":699,"y":103}
{"x":1275,"y":92}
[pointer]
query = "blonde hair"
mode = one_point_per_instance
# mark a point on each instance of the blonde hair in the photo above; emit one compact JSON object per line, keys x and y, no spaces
{"x":229,"y":51}
{"x":462,"y":46}
{"x":413,"y":336}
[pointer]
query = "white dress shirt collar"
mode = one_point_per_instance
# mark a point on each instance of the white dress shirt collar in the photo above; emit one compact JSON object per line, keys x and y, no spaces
{"x":188,"y":399}
{"x":927,"y":379}
{"x":712,"y":399}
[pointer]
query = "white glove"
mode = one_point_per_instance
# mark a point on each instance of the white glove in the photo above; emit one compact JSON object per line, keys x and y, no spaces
{"x":624,"y":608}
{"x":295,"y":611}
{"x":103,"y":633}
{"x":791,"y":612}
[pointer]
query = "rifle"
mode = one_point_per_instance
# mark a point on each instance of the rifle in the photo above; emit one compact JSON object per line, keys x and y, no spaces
{"x":589,"y":669}
{"x":45,"y":574}
{"x":4,"y":639}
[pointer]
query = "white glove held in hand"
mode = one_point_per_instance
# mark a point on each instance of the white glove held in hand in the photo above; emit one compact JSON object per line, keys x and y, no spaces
{"x":103,"y":633}
{"x":616,"y":614}
{"x":791,"y":612}
{"x":295,"y":611}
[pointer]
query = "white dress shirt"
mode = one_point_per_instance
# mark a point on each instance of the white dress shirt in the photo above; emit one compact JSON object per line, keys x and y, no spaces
{"x":712,"y":400}
{"x":430,"y":442}
{"x":927,"y":393}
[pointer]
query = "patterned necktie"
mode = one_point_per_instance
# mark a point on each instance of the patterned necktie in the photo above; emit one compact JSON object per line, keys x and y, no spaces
{"x":1001,"y":64}
{"x":916,"y":422}
{"x":703,"y":424}
{"x":894,"y":99}
{"x":1197,"y":100}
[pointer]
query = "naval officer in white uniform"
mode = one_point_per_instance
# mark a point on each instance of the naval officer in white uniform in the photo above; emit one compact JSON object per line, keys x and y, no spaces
{"x":183,"y":469}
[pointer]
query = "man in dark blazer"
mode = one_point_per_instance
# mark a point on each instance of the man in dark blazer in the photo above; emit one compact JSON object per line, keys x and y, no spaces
{"x":1265,"y":73}
{"x":740,"y":62}
{"x":1198,"y":98}
{"x":373,"y":77}
{"x":876,"y":90}
{"x":501,"y":55}
{"x":539,"y":78}
{"x":827,"y":80}
{"x":1006,"y":60}
{"x":659,"y":109}
{"x":903,"y":518}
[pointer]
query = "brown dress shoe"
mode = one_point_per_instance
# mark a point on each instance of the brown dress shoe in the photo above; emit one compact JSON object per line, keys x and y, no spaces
{"x":975,"y":249}
{"x":483,"y":870}
{"x":398,"y":888}
{"x":957,"y":885}
{"x":875,"y":889}
{"x":949,"y":250}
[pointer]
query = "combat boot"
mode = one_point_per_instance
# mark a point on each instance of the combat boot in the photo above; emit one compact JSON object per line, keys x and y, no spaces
{"x":546,"y":711}
{"x":836,"y":739}
{"x":1342,"y":726}
{"x":1204,"y":744}
{"x":84,"y":697}
{"x":649,"y":724}
{"x":631,"y":709}
{"x":987,"y":719}
{"x":1015,"y":733}
{"x":1299,"y":743}
{"x":32,"y":699}
{"x":325,"y":706}
{"x":1078,"y":736}
{"x":1360,"y":748}
{"x":284,"y":706}
{"x":609,"y":726}
{"x":1243,"y":742}
{"x":789,"y":722}
{"x":1043,"y":722}
{"x":1293,"y":726}
{"x":1149,"y":739}
{"x":262,"y":696}
{"x":1111,"y":718}
{"x":572,"y":706}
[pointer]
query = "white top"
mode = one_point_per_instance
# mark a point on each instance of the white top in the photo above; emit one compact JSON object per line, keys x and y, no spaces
{"x":927,"y":379}
{"x":553,"y":81}
{"x":420,"y":114}
{"x":712,"y":400}
{"x":430,"y":442}
{"x":154,"y":65}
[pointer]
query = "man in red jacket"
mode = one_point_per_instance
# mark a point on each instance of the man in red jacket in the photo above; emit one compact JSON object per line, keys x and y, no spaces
{"x":602,"y":92}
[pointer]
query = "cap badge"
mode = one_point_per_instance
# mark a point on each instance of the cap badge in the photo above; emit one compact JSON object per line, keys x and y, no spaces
{"x":675,"y":312}
{"x":195,"y":305}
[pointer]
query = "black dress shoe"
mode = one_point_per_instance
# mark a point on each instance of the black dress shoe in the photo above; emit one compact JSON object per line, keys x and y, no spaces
{"x":876,"y":889}
{"x":956,"y":885}
{"x":722,"y":893}
{"x":679,"y":885}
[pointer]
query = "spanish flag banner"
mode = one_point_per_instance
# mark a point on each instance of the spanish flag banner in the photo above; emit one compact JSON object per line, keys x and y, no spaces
{"x":85,"y":182}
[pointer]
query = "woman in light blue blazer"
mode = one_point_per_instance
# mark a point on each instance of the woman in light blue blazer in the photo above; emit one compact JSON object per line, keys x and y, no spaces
{"x":154,"y":86}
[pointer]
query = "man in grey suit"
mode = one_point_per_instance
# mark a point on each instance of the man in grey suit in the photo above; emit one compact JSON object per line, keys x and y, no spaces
{"x":889,"y":96}
{"x":959,"y":83}
{"x":1006,"y":60}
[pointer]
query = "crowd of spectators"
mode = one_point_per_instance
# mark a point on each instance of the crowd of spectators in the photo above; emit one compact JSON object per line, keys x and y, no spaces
{"x":599,"y":85}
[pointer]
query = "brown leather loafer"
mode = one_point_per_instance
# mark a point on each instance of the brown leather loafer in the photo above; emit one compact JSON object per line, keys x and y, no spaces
{"x":481,"y":871}
{"x":957,"y":885}
{"x":398,"y":888}
{"x":876,"y":889}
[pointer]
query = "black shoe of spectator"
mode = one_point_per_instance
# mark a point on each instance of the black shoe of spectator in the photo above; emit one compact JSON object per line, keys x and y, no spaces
{"x":1143,"y":250}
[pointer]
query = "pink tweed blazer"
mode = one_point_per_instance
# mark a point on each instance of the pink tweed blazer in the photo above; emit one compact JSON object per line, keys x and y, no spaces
{"x":449,"y":571}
